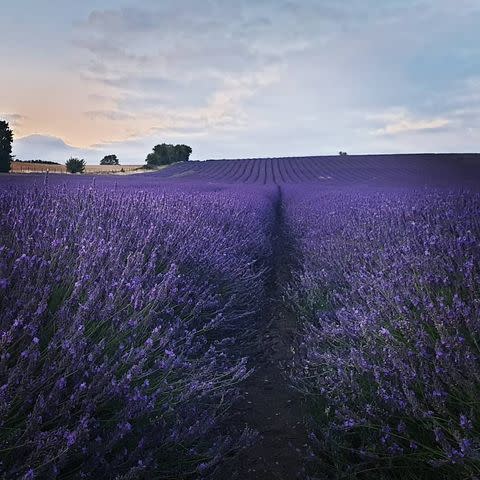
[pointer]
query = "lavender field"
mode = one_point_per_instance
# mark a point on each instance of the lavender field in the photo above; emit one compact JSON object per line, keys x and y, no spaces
{"x":314,"y":317}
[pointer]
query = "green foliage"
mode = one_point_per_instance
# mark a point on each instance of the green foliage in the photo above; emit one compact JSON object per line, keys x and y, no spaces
{"x":75,"y":165}
{"x":42,"y":162}
{"x":6,"y":139}
{"x":165,"y":154}
{"x":109,"y":160}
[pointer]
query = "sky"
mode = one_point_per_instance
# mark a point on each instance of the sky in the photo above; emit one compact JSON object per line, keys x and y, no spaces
{"x":239,"y":78}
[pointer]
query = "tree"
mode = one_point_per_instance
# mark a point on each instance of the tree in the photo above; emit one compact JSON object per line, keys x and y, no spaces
{"x":183,"y":153}
{"x":109,"y":160}
{"x":159,"y":156}
{"x":6,"y":139}
{"x":165,"y":154}
{"x":342,"y":154}
{"x":75,"y":165}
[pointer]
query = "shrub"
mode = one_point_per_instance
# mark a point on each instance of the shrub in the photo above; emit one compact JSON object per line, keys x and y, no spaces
{"x":75,"y":165}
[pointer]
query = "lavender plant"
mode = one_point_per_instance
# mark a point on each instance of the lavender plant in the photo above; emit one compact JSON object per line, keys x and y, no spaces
{"x":125,"y":304}
{"x":389,"y":299}
{"x":116,"y":359}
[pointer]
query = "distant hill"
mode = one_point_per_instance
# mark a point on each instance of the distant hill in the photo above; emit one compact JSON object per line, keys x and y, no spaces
{"x":396,"y":169}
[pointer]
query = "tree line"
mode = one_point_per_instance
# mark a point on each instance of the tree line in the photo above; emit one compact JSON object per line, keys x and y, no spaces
{"x":162,"y":154}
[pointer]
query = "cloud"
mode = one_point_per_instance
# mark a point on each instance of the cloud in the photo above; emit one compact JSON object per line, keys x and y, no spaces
{"x":456,"y":110}
{"x":109,"y":115}
{"x":14,"y":119}
{"x":196,"y":64}
{"x":400,"y":121}
{"x":46,"y":147}
{"x":202,"y":64}
{"x":413,"y":125}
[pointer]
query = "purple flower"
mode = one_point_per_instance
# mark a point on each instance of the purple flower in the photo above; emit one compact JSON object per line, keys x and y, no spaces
{"x":349,"y":423}
{"x":71,"y":438}
{"x":465,"y":422}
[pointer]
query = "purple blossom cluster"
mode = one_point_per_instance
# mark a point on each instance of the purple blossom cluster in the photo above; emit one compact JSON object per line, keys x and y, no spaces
{"x":388,"y":295}
{"x":117,"y":307}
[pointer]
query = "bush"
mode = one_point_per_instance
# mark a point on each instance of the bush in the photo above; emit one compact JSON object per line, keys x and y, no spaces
{"x":109,"y":160}
{"x":75,"y":165}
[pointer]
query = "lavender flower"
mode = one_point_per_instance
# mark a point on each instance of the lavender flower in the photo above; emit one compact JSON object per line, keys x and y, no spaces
{"x":388,"y":294}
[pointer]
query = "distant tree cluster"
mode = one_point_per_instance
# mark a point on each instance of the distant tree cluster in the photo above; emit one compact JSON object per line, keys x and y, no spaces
{"x":109,"y":160}
{"x":165,"y":154}
{"x":43,"y":162}
{"x":6,"y":139}
{"x":342,"y":154}
{"x":75,"y":165}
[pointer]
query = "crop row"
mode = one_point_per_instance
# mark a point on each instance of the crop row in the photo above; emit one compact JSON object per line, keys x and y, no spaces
{"x":126,"y":305}
{"x":328,"y":171}
{"x":117,"y":358}
{"x":389,"y":301}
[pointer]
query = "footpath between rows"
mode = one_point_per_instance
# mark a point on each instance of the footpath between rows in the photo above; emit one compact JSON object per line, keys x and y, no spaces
{"x":270,"y":405}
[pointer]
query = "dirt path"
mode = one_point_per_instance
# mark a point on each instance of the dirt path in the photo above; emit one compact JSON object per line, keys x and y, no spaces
{"x":271,"y":406}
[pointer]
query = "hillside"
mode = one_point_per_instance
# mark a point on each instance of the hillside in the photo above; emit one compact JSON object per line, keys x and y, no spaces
{"x":334,"y":170}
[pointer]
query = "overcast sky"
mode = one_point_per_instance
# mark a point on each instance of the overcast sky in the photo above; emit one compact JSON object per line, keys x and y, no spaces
{"x":240,"y":78}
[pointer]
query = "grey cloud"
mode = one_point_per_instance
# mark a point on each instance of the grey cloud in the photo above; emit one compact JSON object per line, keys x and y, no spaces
{"x":109,"y":115}
{"x":208,"y":33}
{"x":105,"y":49}
{"x":47,"y":147}
{"x":13,"y":116}
{"x":140,"y":83}
{"x":15,"y":119}
{"x":164,"y":57}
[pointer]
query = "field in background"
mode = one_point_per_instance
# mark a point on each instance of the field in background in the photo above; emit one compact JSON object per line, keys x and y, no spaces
{"x":329,"y":171}
{"x":21,"y":167}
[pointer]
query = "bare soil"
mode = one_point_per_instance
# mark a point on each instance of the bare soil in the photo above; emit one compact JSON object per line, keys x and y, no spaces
{"x":269,"y":404}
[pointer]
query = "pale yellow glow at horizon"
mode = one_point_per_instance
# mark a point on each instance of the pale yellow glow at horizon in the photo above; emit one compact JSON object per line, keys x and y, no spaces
{"x":60,"y":109}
